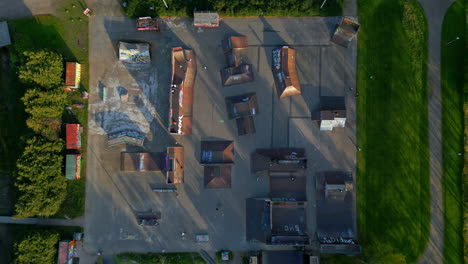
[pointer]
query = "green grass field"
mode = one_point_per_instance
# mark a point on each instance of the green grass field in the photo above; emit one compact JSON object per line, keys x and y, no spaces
{"x":393,"y":198}
{"x":67,"y":34}
{"x":452,"y":67}
{"x":156,"y":258}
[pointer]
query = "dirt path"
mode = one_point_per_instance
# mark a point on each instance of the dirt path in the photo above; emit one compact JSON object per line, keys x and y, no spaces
{"x":435,"y":10}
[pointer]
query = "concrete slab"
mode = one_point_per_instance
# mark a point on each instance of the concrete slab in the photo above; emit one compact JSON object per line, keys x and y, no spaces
{"x":113,"y":197}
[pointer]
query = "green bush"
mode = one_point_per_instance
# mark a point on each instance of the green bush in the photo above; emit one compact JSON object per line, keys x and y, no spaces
{"x":43,"y":68}
{"x":45,"y":109}
{"x":376,"y":253}
{"x":159,"y":258}
{"x":40,"y":182}
{"x":38,"y":248}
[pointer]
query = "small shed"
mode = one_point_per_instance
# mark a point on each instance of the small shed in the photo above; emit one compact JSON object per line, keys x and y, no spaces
{"x":242,"y":105}
{"x":73,"y":166}
{"x":4,"y":34}
{"x":234,"y":49}
{"x":242,"y":108}
{"x":284,"y":72}
{"x":134,"y":53}
{"x":66,"y":252}
{"x":217,"y":152}
{"x":63,"y":252}
{"x":332,"y":113}
{"x":72,"y":75}
{"x":336,"y":213}
{"x":216,"y":177}
{"x":217,"y":157}
{"x":237,"y":75}
{"x":147,"y":23}
{"x":345,"y":32}
{"x":234,"y":43}
{"x":276,"y":221}
{"x":73,"y":136}
{"x":205,"y":19}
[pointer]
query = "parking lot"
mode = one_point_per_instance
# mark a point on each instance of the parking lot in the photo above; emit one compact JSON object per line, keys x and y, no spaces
{"x":113,"y":197}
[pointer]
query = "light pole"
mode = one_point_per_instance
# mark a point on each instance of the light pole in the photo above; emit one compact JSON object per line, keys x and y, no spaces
{"x":448,"y":43}
{"x":324,"y":1}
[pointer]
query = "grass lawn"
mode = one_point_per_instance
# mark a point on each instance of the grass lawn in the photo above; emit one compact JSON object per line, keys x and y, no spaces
{"x":156,"y":258}
{"x":230,"y":8}
{"x":67,"y":34}
{"x":393,"y":198}
{"x":66,"y":232}
{"x":452,"y":71}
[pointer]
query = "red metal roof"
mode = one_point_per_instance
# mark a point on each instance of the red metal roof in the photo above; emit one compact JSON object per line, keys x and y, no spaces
{"x":184,"y":70}
{"x":217,"y":176}
{"x":73,"y":136}
{"x":70,"y":75}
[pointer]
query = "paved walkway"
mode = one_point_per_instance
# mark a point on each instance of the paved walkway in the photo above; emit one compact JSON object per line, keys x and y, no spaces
{"x":108,"y":8}
{"x":25,"y":8}
{"x":350,"y":8}
{"x":43,"y":221}
{"x":435,"y":10}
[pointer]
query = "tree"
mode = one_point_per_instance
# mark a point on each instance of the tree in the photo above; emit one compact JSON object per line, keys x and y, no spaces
{"x":43,"y":68}
{"x":341,"y":259}
{"x":45,"y":109}
{"x":40,"y":181}
{"x":39,"y":248}
{"x":383,"y":254}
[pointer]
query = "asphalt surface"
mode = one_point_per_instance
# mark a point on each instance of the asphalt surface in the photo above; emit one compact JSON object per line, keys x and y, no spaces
{"x":25,"y":8}
{"x":435,"y":11}
{"x":350,"y":8}
{"x":113,"y":197}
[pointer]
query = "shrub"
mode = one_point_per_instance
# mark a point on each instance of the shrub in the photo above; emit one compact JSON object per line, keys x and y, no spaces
{"x":45,"y":109}
{"x":38,"y":248}
{"x":43,"y":68}
{"x":40,"y":182}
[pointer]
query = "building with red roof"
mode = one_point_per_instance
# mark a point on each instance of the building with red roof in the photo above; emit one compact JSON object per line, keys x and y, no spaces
{"x":73,"y":133}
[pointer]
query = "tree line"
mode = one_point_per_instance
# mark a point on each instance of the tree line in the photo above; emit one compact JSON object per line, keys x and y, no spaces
{"x":37,"y":247}
{"x":136,"y":8}
{"x":41,"y":186}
